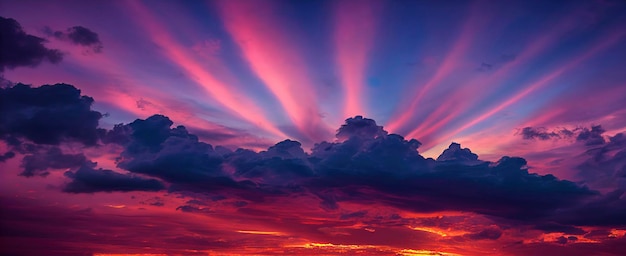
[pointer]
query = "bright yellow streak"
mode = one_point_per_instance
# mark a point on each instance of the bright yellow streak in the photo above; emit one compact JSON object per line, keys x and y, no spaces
{"x":411,"y":252}
{"x":254,"y":232}
{"x":430,"y":230}
{"x":397,"y":251}
{"x":343,"y":246}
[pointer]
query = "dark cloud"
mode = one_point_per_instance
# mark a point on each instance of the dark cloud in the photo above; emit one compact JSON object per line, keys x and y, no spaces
{"x":591,"y":136}
{"x":561,"y":240}
{"x":555,"y":227}
{"x":155,"y":201}
{"x":172,"y":154}
{"x":48,"y":114}
{"x":19,"y":49}
{"x":87,"y":179}
{"x":193,"y":209}
{"x":529,"y":133}
{"x":85,"y":37}
{"x":283,"y":163}
{"x":455,"y":153}
{"x":6,"y":156}
{"x":608,"y":211}
{"x":40,"y":161}
{"x":605,"y":166}
{"x":353,"y":215}
{"x":392,"y":170}
{"x":360,"y":127}
{"x":486,"y":234}
{"x":365,"y":158}
{"x":363,"y":165}
{"x":78,"y":35}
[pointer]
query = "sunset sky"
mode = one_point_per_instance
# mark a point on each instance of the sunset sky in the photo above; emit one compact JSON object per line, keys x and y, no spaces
{"x":338,"y":127}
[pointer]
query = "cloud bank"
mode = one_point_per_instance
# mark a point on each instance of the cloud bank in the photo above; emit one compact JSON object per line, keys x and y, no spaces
{"x":364,"y":164}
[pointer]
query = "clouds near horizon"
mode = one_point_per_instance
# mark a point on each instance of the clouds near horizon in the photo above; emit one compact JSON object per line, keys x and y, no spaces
{"x":364,"y":157}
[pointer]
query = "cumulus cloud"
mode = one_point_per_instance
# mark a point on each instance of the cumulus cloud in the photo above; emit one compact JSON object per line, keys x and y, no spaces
{"x":20,"y":49}
{"x":172,"y":154}
{"x":363,"y":165}
{"x":48,"y":114}
{"x":455,"y":153}
{"x":360,"y":127}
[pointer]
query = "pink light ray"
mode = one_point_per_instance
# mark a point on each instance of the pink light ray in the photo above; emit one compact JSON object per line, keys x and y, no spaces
{"x":229,"y":97}
{"x":276,"y":60}
{"x":158,"y":101}
{"x":354,"y":34}
{"x":455,"y":105}
{"x":534,"y":86}
{"x":450,"y":62}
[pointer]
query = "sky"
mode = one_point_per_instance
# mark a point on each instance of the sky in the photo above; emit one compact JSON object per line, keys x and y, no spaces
{"x":340,"y":127}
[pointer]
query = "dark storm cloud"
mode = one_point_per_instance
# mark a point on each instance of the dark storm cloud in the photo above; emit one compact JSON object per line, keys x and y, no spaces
{"x":19,"y":49}
{"x":78,"y":35}
{"x":48,"y":114}
{"x":87,"y":179}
